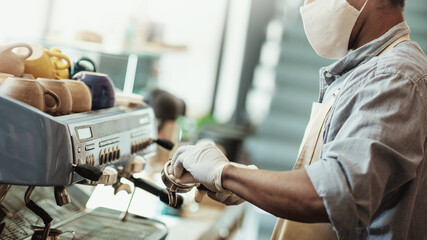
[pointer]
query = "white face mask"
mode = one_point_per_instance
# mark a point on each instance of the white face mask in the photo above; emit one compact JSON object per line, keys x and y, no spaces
{"x":328,"y":25}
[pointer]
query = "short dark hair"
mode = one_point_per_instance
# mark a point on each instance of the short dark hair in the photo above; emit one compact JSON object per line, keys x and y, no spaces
{"x":398,"y":2}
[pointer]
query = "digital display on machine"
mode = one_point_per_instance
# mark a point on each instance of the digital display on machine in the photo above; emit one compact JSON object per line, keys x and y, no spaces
{"x":144,"y":120}
{"x":84,"y":133}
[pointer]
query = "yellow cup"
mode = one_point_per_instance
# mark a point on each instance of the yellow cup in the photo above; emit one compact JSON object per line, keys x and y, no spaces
{"x":41,"y":64}
{"x":61,"y":65}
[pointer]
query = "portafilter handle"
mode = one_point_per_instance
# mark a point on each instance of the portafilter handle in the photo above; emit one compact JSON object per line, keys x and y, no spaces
{"x":164,"y":143}
{"x":87,"y":171}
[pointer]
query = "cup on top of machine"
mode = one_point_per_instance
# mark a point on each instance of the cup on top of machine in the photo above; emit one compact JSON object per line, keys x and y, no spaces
{"x":31,"y":92}
{"x":61,"y":64}
{"x":61,"y":89}
{"x":80,"y":95}
{"x":101,"y":87}
{"x":83,"y":64}
{"x":42,"y":65}
{"x":12,"y":62}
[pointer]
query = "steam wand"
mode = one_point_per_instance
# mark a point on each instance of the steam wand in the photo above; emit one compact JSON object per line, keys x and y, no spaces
{"x":47,"y":219}
{"x":125,"y":216}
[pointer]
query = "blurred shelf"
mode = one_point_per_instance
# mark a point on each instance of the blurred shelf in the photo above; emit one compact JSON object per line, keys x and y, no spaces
{"x":149,"y":49}
{"x":146,"y":50}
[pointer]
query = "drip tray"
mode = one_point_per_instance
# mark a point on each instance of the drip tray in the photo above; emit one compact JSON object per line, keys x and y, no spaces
{"x":106,"y":224}
{"x":99,"y":223}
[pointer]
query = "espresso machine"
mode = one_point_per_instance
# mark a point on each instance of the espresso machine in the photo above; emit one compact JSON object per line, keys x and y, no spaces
{"x":44,"y":160}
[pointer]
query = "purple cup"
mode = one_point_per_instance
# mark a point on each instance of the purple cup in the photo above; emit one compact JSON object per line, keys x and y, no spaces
{"x":101,"y":86}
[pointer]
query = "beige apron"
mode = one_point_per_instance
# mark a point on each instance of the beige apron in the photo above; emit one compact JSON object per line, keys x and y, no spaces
{"x":308,"y":153}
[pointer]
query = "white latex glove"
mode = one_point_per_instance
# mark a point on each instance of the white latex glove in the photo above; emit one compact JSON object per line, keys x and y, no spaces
{"x":226,"y":197}
{"x":201,"y":163}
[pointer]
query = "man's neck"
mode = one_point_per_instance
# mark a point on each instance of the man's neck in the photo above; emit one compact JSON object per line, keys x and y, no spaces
{"x":375,"y":24}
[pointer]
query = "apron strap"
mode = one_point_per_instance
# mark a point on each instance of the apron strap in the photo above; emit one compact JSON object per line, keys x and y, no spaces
{"x":312,"y":141}
{"x":395,"y":43}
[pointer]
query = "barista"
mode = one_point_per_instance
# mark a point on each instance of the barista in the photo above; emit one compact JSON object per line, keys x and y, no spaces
{"x":369,"y":180}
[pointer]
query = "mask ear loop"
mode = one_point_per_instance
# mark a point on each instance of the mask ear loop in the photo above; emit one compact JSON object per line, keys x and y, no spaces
{"x":363,"y":7}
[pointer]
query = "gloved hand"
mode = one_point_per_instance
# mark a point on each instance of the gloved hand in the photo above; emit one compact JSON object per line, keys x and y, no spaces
{"x":201,"y":163}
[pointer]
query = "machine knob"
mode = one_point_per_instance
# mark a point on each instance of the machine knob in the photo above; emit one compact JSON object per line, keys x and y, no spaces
{"x":135,"y":165}
{"x":109,"y":176}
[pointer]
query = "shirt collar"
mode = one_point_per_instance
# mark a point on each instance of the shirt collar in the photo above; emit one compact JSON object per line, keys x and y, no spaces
{"x":361,"y":55}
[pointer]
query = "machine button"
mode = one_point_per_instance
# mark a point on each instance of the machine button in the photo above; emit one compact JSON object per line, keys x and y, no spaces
{"x":118,"y":152}
{"x":115,"y":153}
{"x":108,"y":142}
{"x":110,"y":155}
{"x":104,"y":143}
{"x":132,"y":148}
{"x":101,"y":157}
{"x":144,"y":143}
{"x":136,"y":147}
{"x":106,"y":156}
{"x":141,"y":145}
{"x":90,"y":147}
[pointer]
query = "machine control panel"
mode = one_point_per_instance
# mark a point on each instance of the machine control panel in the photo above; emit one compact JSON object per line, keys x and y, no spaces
{"x":42,"y":150}
{"x":101,"y":142}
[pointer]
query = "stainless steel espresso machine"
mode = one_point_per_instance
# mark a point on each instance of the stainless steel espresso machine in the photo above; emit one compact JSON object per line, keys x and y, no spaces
{"x":43,"y":159}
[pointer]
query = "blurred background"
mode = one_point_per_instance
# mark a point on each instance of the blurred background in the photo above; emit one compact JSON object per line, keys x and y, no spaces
{"x":243,"y":64}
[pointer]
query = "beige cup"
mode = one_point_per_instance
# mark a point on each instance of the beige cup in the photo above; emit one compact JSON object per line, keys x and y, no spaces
{"x":41,"y":65}
{"x":80,"y":94}
{"x":60,"y":88}
{"x":31,"y":92}
{"x":13,"y":62}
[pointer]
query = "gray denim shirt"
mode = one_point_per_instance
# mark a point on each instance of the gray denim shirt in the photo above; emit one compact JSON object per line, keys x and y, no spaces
{"x":372,"y":169}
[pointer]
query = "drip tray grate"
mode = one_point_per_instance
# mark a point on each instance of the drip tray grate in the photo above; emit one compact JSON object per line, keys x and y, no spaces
{"x":104,"y":226}
{"x":97,"y":224}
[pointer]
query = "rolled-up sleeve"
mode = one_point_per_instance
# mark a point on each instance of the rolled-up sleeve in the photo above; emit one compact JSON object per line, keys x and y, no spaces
{"x":373,"y":145}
